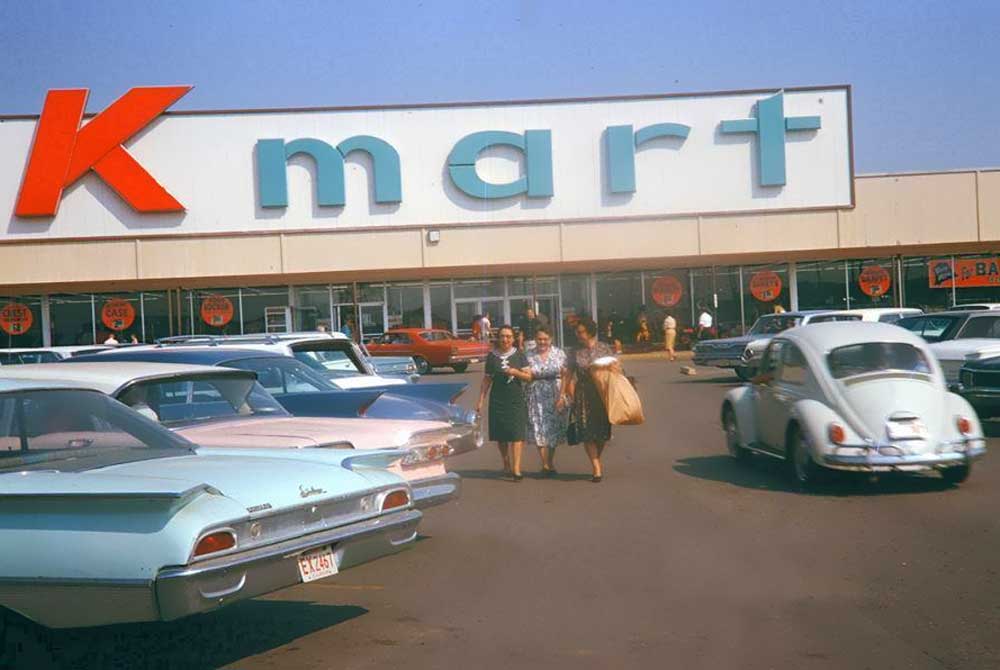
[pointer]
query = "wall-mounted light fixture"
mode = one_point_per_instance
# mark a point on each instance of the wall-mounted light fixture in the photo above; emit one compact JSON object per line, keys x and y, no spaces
{"x":433,"y":236}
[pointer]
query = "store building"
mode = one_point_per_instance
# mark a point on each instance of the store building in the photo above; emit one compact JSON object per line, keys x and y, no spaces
{"x":149,"y":222}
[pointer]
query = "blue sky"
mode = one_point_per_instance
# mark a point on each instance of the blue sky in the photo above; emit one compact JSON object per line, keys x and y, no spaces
{"x":926,"y":75}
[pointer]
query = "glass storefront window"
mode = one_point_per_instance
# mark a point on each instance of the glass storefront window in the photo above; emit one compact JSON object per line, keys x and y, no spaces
{"x":821,"y":285}
{"x":72,"y":319}
{"x":312,"y":308}
{"x":665,"y":286}
{"x":765,"y":290}
{"x":620,"y":301}
{"x":927,"y":282}
{"x":717,"y":290}
{"x":406,"y":306}
{"x":575,"y":293}
{"x":205,"y":312}
{"x":118,"y":314}
{"x":266,"y":310}
{"x":22,"y":322}
{"x":871,"y":283}
{"x":479,"y":288}
{"x":371,"y":293}
{"x":977,"y":278}
{"x":441,"y":306}
{"x":155,"y":316}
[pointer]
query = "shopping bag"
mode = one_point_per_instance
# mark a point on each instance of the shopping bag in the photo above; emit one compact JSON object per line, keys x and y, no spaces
{"x":620,"y":398}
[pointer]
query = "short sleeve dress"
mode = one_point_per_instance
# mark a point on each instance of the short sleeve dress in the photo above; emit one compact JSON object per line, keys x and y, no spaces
{"x":589,"y":418}
{"x":546,"y":425}
{"x":508,"y":420}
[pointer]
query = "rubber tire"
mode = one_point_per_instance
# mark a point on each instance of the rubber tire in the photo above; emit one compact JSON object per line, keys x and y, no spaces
{"x":744,"y":373}
{"x":423,"y":365}
{"x":731,"y":431}
{"x":23,"y":644}
{"x":806,"y":473}
{"x":460,"y":367}
{"x":957,"y":474}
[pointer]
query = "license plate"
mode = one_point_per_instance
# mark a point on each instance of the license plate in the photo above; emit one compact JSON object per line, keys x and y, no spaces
{"x":906,"y":430}
{"x":317,"y":564}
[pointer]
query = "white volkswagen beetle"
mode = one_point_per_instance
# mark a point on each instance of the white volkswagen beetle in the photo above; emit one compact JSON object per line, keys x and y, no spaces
{"x":852,"y":396}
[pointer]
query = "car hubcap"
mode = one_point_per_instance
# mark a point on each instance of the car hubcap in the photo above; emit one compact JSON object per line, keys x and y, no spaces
{"x":732,"y":442}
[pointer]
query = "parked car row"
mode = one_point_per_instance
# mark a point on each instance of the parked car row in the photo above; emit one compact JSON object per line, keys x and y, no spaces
{"x":152,"y":482}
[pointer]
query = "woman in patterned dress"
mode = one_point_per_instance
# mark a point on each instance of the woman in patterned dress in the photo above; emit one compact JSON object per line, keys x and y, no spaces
{"x":589,"y":418}
{"x":506,"y":373}
{"x":546,"y":407}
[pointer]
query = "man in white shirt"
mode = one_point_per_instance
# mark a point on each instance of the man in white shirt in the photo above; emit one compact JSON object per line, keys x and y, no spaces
{"x":704,"y":323}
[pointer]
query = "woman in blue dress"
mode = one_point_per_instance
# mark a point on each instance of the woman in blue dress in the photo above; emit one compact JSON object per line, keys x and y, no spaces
{"x":546,"y":405}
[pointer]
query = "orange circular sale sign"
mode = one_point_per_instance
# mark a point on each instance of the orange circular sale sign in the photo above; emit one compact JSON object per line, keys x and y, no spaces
{"x":16,"y":318}
{"x":667,"y":291}
{"x":765,"y":285}
{"x":117,"y":314}
{"x":874,"y":280}
{"x":217,"y":310}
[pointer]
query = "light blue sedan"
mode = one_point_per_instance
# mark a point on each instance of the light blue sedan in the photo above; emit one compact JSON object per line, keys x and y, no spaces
{"x":106,"y":517}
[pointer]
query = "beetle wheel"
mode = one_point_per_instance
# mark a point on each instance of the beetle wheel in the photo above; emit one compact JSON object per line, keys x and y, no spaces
{"x":729,"y":427}
{"x":805,"y":470}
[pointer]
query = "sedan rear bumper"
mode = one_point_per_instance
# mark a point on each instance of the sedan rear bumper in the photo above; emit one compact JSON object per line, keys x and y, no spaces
{"x":210,"y":584}
{"x":878,"y":462}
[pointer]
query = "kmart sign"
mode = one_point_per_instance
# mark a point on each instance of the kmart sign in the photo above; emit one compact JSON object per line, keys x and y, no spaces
{"x":138,"y":169}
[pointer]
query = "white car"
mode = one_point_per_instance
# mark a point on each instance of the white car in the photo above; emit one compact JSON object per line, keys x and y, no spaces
{"x":28,"y":355}
{"x":953,"y":354}
{"x":852,"y":396}
{"x":884,"y":314}
{"x":974,"y":306}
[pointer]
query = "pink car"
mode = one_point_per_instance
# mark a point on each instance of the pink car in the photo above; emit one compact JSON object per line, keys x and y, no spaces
{"x":219,"y":408}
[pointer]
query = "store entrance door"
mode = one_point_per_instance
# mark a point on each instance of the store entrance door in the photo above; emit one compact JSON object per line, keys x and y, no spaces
{"x":372,"y":320}
{"x":467,"y":309}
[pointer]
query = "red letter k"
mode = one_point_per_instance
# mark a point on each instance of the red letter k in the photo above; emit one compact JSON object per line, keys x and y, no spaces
{"x":63,"y":151}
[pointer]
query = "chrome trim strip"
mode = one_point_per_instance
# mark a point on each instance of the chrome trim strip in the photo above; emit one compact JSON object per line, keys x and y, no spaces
{"x":294,"y":546}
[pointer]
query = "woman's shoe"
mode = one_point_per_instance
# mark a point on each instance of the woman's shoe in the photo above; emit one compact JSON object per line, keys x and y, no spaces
{"x":549,"y":472}
{"x":517,"y":478}
{"x":597,"y":479}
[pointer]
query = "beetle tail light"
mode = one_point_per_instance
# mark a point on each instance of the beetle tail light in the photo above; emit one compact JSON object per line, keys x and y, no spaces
{"x":836,"y":433}
{"x":398,"y":498}
{"x":215,"y":542}
{"x":964,"y":425}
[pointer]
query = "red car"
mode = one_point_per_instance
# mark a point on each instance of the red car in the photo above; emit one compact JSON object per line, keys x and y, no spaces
{"x":430,"y":348}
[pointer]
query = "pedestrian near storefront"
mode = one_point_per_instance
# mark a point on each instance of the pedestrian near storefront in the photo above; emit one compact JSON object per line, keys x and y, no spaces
{"x":527,"y":329}
{"x":546,"y":403}
{"x":507,"y":372}
{"x":705,"y":322}
{"x":670,"y":335}
{"x":588,"y":422}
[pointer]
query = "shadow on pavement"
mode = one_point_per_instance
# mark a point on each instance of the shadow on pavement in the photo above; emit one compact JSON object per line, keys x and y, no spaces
{"x":769,"y":474}
{"x":206,"y":641}
{"x":991,"y":428}
{"x":719,"y":381}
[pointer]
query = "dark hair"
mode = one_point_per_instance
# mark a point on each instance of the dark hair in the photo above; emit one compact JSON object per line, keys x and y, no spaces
{"x":505,"y":327}
{"x":543,"y":329}
{"x":588,"y":324}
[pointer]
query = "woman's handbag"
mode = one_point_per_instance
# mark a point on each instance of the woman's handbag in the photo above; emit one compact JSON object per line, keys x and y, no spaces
{"x":620,"y":398}
{"x":572,"y":437}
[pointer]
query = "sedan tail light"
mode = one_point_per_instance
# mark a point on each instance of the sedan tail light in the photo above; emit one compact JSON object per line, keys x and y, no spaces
{"x":399,"y":498}
{"x":836,"y":433}
{"x":215,"y":542}
{"x":964,"y":425}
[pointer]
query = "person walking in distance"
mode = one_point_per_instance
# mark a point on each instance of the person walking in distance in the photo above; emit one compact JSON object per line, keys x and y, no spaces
{"x":507,"y":371}
{"x":546,"y":403}
{"x":670,"y":335}
{"x":704,"y":323}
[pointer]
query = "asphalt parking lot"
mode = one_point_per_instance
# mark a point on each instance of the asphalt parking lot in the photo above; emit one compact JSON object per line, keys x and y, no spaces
{"x":681,"y":558}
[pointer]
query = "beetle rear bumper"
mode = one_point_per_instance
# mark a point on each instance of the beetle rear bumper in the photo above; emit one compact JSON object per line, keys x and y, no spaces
{"x":878,"y":462}
{"x":210,"y":584}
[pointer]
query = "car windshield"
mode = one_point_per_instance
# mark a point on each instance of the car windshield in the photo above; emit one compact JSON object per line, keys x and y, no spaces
{"x":75,"y":430}
{"x":337,"y":358}
{"x":980,"y":326}
{"x":770,"y":325}
{"x":178,"y":401}
{"x":867,"y":357}
{"x":931,"y":328}
{"x":280,"y":374}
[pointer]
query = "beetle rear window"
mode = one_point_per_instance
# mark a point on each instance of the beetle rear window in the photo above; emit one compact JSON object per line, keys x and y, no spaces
{"x":859,"y":359}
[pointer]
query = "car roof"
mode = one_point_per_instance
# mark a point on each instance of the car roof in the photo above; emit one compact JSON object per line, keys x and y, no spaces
{"x":913,"y":311}
{"x":11,"y":385}
{"x":107,"y":377}
{"x":182,"y":355}
{"x":833,"y":334}
{"x":254,"y":337}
